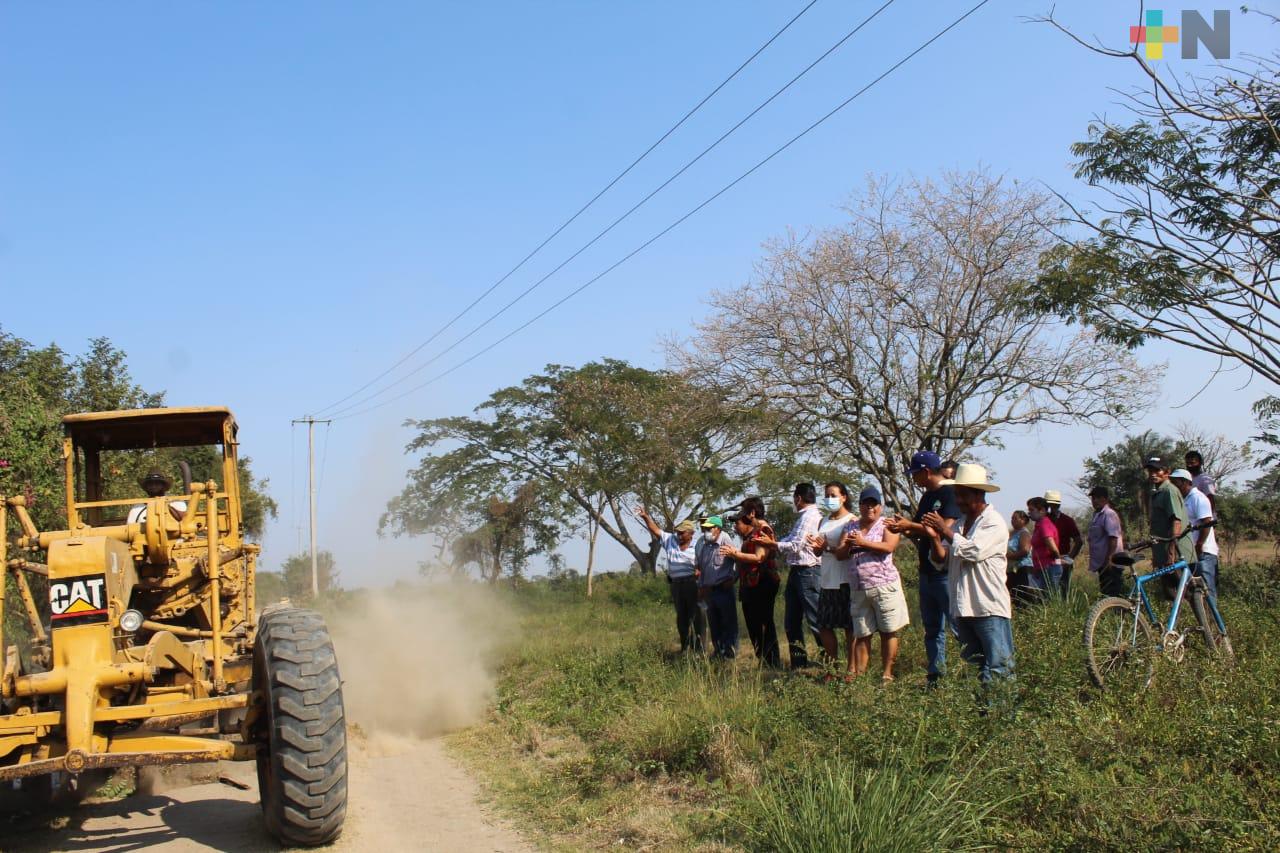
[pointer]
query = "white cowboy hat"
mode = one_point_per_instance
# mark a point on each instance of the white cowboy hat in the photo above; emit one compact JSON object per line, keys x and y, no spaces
{"x":1053,"y":496}
{"x":974,"y":477}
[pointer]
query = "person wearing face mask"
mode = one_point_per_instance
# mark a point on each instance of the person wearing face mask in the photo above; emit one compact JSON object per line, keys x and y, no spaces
{"x":878,"y":603}
{"x":716,"y":576}
{"x":833,"y":599}
{"x":682,"y":575}
{"x":1046,"y":558}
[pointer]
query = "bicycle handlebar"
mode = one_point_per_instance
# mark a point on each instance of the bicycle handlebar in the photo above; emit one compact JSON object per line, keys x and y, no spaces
{"x":1158,"y":540}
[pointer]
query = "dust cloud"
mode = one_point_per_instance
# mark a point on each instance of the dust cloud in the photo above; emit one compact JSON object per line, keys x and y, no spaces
{"x":418,"y":660}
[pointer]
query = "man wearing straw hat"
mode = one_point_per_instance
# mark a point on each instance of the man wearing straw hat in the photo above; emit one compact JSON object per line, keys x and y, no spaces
{"x":973,"y":554}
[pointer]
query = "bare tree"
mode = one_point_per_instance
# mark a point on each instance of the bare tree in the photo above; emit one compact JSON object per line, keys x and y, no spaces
{"x":1222,"y":457}
{"x":901,"y":330}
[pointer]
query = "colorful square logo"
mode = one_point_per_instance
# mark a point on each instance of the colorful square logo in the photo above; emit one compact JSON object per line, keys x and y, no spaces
{"x":1155,"y":35}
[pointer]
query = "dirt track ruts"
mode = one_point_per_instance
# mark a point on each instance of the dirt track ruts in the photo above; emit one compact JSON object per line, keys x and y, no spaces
{"x":404,"y":795}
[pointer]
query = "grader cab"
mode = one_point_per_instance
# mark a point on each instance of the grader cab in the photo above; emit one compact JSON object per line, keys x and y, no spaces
{"x":150,"y":651}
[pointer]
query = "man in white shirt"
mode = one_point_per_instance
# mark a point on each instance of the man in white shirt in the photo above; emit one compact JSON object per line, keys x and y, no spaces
{"x":804,"y":577}
{"x":1201,"y":478}
{"x":1198,"y":510}
{"x":974,"y":556}
{"x":156,"y":485}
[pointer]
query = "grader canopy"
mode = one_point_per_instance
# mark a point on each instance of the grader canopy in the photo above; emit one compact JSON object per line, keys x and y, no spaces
{"x":150,"y":651}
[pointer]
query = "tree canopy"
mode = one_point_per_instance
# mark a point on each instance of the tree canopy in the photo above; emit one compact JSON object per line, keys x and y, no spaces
{"x":594,"y":439}
{"x":1183,"y":243}
{"x":39,"y":385}
{"x":902,"y":329}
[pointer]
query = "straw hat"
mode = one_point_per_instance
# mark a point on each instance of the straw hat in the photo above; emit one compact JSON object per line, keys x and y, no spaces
{"x":974,"y":477}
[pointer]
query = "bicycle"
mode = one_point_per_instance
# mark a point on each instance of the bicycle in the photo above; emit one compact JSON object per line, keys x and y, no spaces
{"x":1118,"y":636}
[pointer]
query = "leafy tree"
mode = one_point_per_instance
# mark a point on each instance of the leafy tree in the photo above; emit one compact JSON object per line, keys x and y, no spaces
{"x":1184,"y":245}
{"x":38,"y":386}
{"x":594,"y":439}
{"x":270,"y":587}
{"x":296,"y":574}
{"x":511,"y":531}
{"x":902,"y":330}
{"x":1120,"y":469}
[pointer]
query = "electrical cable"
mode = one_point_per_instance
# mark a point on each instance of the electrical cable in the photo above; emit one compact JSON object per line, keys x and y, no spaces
{"x":677,"y":222}
{"x":370,"y":397}
{"x":580,"y":210}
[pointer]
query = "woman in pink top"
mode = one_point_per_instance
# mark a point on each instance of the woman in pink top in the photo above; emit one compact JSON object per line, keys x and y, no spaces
{"x":878,"y":602}
{"x":1046,"y":565}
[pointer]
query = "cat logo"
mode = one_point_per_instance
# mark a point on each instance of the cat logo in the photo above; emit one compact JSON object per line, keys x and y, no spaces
{"x":77,"y":601}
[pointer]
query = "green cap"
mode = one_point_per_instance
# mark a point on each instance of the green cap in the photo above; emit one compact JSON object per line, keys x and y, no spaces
{"x":713,"y":521}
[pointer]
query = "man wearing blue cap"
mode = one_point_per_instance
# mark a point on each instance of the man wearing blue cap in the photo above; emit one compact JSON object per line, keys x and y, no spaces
{"x":939,"y":497}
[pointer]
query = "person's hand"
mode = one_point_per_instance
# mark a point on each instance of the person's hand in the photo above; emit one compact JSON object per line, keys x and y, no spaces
{"x":1068,"y":561}
{"x":934,"y":532}
{"x":816,"y":542}
{"x":850,"y":539}
{"x":641,"y":512}
{"x":933,"y":521}
{"x":897,"y":524}
{"x":729,"y":551}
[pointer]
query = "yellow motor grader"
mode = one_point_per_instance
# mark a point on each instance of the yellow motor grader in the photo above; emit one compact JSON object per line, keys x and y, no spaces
{"x":150,"y":651}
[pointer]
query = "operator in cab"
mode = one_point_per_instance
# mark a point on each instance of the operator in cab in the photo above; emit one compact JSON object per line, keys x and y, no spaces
{"x":156,"y":485}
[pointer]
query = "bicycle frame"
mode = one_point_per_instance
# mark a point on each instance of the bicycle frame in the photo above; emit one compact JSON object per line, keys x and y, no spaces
{"x":1140,"y":593}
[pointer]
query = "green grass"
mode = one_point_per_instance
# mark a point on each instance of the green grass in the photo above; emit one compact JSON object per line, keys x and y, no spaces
{"x":603,"y":735}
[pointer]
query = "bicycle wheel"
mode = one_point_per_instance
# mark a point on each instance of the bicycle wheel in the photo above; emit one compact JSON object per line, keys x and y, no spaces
{"x":1118,"y":653}
{"x":1218,"y":643}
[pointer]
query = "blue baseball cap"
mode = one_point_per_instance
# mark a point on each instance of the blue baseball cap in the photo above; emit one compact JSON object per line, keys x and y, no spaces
{"x":870,"y":493}
{"x":924,"y":460}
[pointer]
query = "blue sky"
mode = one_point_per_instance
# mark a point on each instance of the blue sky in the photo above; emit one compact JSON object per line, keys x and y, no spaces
{"x":305,"y":191}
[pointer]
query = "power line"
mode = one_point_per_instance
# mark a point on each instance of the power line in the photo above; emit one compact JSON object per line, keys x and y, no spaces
{"x":580,"y":210}
{"x":679,"y":221}
{"x":370,"y":397}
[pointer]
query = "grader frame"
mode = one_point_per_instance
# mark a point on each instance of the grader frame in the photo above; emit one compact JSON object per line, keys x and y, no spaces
{"x":152,"y":632}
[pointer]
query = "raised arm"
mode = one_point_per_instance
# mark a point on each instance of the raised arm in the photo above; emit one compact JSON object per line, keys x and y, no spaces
{"x":654,"y":529}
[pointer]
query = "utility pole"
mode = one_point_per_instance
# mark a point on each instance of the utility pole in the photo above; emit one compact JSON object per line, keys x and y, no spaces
{"x":311,"y":488}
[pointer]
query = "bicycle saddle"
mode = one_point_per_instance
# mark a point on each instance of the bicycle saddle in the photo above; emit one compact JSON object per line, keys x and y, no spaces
{"x":1124,"y":558}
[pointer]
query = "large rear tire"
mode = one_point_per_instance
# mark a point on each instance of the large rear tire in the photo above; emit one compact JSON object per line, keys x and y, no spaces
{"x":1218,"y":643}
{"x":302,"y":762}
{"x":1118,"y":653}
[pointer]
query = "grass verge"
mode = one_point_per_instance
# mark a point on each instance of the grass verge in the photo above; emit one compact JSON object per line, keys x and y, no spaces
{"x":604,"y":735}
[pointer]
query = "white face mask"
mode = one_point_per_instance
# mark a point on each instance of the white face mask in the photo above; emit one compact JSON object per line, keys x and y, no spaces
{"x":710,"y":535}
{"x":832,"y":504}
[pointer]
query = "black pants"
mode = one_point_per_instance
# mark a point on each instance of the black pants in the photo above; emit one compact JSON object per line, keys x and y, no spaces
{"x":690,"y":621}
{"x":1111,"y":581}
{"x":1065,"y":584}
{"x":1019,"y":586}
{"x":757,"y":612}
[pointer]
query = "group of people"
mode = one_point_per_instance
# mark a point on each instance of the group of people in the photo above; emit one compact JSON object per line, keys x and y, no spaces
{"x":974,"y":568}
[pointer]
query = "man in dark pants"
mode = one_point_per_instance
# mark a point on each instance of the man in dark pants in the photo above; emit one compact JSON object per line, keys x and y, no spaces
{"x":804,"y":580}
{"x":716,"y":576}
{"x":682,"y":575}
{"x":1105,"y":540}
{"x":935,"y":603}
{"x":1069,"y":541}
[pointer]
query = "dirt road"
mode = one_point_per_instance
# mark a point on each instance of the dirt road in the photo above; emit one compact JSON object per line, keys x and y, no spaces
{"x":405,"y":794}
